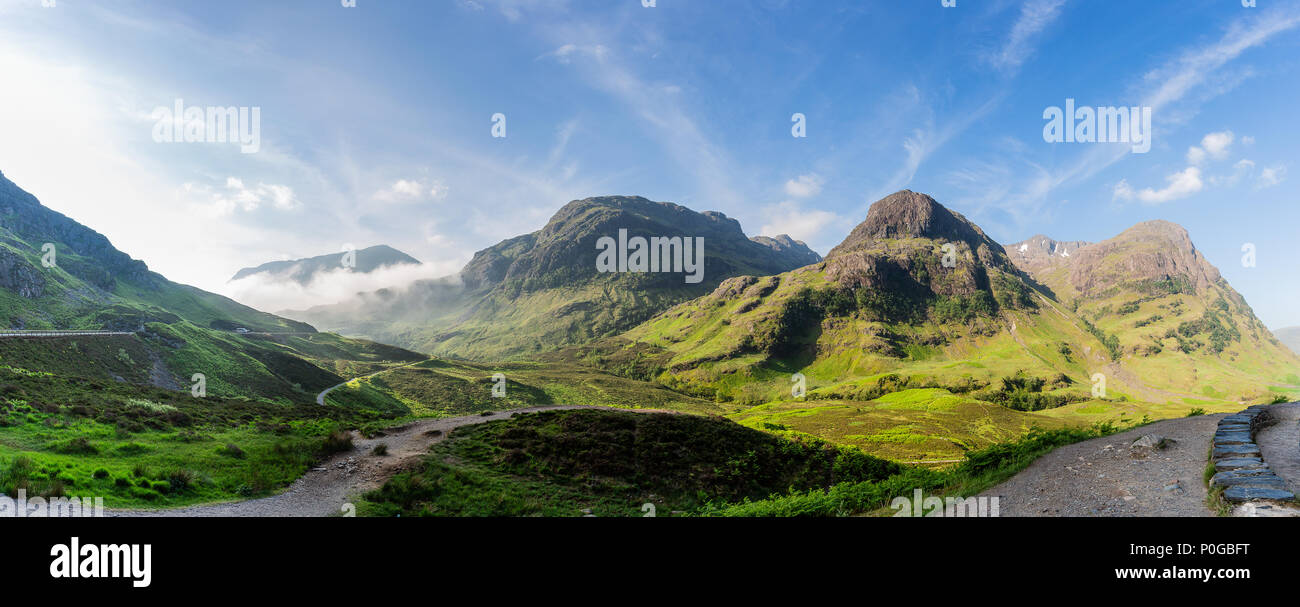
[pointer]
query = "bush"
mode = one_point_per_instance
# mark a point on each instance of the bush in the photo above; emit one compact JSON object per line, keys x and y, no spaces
{"x":78,"y":446}
{"x":231,"y":450}
{"x":101,"y":473}
{"x":380,"y":449}
{"x":181,"y":479}
{"x":337,"y":442}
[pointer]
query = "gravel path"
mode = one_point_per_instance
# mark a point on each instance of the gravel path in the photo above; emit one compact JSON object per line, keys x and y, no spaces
{"x":1280,"y":443}
{"x":1100,"y":477}
{"x":328,"y":488}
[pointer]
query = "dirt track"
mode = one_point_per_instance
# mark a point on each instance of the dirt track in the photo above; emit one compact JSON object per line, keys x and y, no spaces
{"x":1100,"y":477}
{"x":326,"y":489}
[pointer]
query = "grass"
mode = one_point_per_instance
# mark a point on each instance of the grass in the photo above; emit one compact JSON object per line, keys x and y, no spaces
{"x":563,"y":463}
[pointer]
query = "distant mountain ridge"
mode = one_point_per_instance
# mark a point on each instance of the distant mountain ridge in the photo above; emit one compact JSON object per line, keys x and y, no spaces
{"x":1290,"y":337}
{"x":179,"y":330}
{"x":304,"y":270}
{"x":543,"y":290}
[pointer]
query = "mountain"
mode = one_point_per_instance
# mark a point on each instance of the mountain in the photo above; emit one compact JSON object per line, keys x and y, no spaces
{"x":1289,"y":336}
{"x":179,"y":330}
{"x":544,"y":290}
{"x":792,"y":252}
{"x":1040,"y":251}
{"x":920,"y":337}
{"x":302,"y":271}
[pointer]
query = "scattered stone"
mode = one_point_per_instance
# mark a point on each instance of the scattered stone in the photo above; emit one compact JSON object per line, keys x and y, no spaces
{"x":1150,"y":443}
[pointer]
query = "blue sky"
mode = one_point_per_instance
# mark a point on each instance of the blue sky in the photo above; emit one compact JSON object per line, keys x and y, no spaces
{"x":376,"y":122}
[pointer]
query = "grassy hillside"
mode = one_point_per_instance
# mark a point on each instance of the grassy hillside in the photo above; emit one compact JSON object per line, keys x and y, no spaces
{"x":610,"y":463}
{"x":542,"y":291}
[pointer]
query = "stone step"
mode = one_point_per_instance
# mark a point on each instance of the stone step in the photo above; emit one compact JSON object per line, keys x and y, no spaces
{"x":1271,"y":481}
{"x":1240,"y":463}
{"x":1235,"y":451}
{"x":1245,"y":494}
{"x":1232,"y":438}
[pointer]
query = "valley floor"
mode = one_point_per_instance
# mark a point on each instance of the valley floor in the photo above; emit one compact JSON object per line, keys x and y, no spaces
{"x":330,"y":487}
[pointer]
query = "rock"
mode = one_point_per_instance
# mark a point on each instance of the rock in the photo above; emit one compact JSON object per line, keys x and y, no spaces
{"x":1235,"y":451}
{"x":1269,"y":481}
{"x":1232,"y":438}
{"x":1238,"y":463}
{"x":1150,"y":443}
{"x":1174,"y":486}
{"x":1243,"y":494}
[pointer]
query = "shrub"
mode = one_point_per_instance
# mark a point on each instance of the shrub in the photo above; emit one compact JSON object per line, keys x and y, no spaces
{"x":380,"y":449}
{"x":78,"y":446}
{"x":181,"y":479}
{"x":101,"y":473}
{"x":337,"y":441}
{"x":231,"y":450}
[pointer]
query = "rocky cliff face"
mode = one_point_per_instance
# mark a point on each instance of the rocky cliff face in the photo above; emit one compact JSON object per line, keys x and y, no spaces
{"x":901,"y":246}
{"x":1148,"y":251}
{"x":18,"y":275}
{"x":23,"y":215}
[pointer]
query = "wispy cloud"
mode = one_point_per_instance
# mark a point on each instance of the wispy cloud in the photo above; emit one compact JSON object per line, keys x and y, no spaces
{"x":1035,"y":16}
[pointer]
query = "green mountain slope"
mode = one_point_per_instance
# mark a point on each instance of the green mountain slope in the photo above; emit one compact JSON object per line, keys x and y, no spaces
{"x":909,"y":356}
{"x":179,"y":330}
{"x":542,"y":291}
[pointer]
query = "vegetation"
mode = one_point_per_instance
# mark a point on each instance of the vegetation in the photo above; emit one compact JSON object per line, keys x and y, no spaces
{"x":611,"y":463}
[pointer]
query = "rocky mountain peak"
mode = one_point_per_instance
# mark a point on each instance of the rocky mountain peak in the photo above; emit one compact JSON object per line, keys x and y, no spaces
{"x":908,"y":214}
{"x":1151,"y":250}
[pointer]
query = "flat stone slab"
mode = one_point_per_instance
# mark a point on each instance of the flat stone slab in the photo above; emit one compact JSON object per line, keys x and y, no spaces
{"x":1245,"y":494}
{"x":1233,"y":438}
{"x":1231,"y":451}
{"x":1240,"y":463}
{"x":1227,"y":479}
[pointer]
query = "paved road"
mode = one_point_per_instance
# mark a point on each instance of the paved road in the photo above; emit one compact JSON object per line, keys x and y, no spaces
{"x":4,"y":334}
{"x":320,"y":398}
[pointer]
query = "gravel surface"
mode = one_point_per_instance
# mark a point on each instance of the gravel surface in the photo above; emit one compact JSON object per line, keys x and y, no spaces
{"x":1102,"y":476}
{"x":327,"y":489}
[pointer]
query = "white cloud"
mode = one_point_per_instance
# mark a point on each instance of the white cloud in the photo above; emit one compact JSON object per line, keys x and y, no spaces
{"x":274,"y":293}
{"x":1213,"y":146}
{"x":805,"y":186}
{"x":791,"y":218}
{"x":1181,"y":185}
{"x":1270,"y":177}
{"x":411,"y":190}
{"x":236,"y":196}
